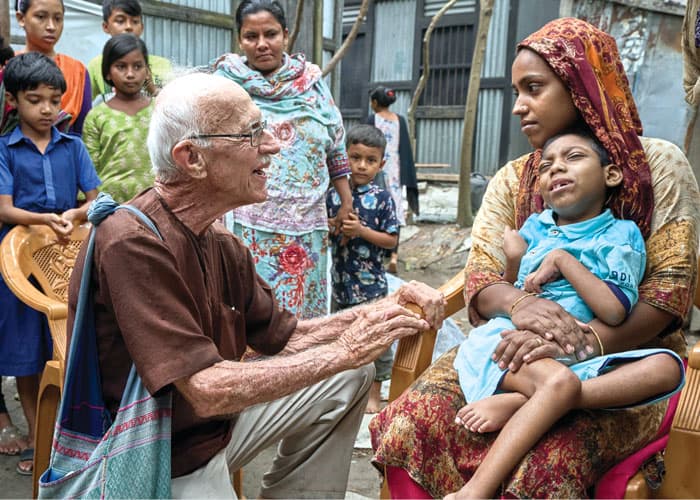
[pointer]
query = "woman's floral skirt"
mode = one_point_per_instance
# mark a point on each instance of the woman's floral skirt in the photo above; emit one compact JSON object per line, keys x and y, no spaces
{"x":295,"y":266}
{"x":417,"y":433}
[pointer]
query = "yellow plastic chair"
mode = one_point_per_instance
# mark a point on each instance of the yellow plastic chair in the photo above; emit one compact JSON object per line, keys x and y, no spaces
{"x":34,"y":251}
{"x":682,"y":480}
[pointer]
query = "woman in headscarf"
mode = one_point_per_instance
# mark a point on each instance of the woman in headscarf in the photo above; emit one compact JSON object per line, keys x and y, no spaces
{"x":566,"y":71}
{"x":287,"y":234}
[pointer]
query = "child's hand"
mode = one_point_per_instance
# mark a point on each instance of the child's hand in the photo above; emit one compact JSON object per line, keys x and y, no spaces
{"x":60,"y":226}
{"x":514,"y":246}
{"x":546,"y":273}
{"x":352,"y":226}
{"x":71,"y":215}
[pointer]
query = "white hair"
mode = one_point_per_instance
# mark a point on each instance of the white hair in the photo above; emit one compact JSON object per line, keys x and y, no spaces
{"x":177,"y":115}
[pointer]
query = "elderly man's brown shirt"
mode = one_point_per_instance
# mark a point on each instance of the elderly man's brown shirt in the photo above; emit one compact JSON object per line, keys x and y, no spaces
{"x":176,"y":307}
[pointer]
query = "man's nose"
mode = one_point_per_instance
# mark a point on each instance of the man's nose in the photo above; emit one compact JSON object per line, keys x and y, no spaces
{"x":268,"y":143}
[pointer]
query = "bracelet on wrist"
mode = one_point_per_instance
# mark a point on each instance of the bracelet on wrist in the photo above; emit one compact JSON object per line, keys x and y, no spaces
{"x":597,"y":337}
{"x":517,"y":301}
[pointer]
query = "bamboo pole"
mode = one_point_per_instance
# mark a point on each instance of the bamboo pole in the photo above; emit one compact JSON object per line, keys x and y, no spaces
{"x":464,"y":203}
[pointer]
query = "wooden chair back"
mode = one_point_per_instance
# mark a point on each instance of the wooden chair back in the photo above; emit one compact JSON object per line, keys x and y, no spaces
{"x":34,"y":251}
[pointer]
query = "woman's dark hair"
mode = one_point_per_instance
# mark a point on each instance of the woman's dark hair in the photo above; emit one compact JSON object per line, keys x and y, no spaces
{"x":117,"y":47}
{"x":29,"y":70}
{"x":249,"y":7}
{"x":582,"y":130}
{"x":385,"y":97}
{"x":130,"y":7}
{"x":367,"y":135}
{"x":22,"y":6}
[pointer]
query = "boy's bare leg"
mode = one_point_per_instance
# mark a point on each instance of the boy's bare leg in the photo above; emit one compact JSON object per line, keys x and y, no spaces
{"x":631,"y":383}
{"x":552,"y":390}
{"x":490,"y":414}
{"x":551,"y":393}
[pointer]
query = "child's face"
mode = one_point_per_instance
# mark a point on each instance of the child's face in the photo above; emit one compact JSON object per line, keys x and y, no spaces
{"x":121,"y":22}
{"x":573,"y":183}
{"x":37,"y":109}
{"x":42,"y":24}
{"x":128,"y":73}
{"x":365,"y":163}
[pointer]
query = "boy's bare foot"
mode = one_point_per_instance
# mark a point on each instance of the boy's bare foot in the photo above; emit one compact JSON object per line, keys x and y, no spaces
{"x":490,"y":414}
{"x":374,"y":404}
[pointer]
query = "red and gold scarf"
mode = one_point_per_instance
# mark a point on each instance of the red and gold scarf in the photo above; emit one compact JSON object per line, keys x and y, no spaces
{"x":587,"y":61}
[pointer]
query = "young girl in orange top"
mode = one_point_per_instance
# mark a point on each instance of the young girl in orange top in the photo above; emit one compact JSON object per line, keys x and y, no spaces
{"x":42,"y":22}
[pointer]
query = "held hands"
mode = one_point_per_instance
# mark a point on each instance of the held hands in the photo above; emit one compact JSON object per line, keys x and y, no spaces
{"x":335,"y":224}
{"x":375,"y":328}
{"x":61,"y":225}
{"x":427,"y":298}
{"x":549,"y":322}
{"x":352,"y":226}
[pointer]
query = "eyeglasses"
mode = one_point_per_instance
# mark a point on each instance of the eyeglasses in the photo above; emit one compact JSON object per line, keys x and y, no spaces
{"x":255,"y":135}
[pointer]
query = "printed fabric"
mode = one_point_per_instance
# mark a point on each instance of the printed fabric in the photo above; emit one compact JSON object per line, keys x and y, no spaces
{"x":116,"y":142}
{"x":392,"y":168}
{"x":295,"y":266}
{"x":358,"y":268}
{"x":303,"y":117}
{"x":602,"y":94}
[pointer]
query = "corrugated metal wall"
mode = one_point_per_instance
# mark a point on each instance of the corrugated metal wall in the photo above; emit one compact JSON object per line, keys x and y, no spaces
{"x":431,"y":7}
{"x":187,"y":43}
{"x":490,"y":107}
{"x":393,"y":48}
{"x":439,"y":140}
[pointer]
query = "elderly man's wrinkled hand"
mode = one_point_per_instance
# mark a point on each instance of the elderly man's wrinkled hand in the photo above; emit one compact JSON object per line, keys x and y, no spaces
{"x":375,"y":329}
{"x":430,"y":300}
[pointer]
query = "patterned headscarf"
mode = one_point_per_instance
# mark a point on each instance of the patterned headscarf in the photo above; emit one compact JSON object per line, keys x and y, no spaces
{"x":586,"y":59}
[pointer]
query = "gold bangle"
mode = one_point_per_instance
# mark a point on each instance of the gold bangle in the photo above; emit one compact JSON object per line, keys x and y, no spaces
{"x":597,"y":337}
{"x":518,"y":301}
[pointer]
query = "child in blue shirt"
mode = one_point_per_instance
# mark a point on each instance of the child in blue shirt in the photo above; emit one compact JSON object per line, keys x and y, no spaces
{"x":41,"y":172}
{"x":358,"y":270}
{"x":577,"y":254}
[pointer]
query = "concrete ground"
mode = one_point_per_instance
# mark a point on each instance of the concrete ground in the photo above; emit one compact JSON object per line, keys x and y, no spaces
{"x":432,"y":253}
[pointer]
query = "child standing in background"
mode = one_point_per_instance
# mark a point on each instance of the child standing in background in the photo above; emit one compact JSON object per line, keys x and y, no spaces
{"x":399,"y":170}
{"x":125,"y":16}
{"x":115,"y":131}
{"x":358,"y":270}
{"x":42,"y":22}
{"x":41,"y":172}
{"x":11,"y":440}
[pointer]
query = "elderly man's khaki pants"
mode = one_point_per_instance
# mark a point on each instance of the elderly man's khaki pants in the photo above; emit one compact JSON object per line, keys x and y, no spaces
{"x":316,"y":429}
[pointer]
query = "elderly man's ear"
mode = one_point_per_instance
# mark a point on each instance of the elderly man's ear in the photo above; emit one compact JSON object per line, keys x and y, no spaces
{"x":189,"y":158}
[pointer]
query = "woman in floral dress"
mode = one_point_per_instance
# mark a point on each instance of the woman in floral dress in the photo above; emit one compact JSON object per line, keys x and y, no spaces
{"x":288,"y":233}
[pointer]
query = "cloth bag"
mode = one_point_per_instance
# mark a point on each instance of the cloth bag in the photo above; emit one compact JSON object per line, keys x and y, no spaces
{"x":93,"y":456}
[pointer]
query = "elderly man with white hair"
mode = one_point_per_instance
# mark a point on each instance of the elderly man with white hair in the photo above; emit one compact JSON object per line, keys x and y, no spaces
{"x":184,"y":310}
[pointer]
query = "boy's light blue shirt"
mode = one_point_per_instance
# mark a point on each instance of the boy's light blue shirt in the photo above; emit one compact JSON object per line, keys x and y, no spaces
{"x":610,"y":248}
